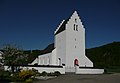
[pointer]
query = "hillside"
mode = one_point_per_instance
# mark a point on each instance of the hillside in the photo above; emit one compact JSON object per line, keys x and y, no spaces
{"x":107,"y":56}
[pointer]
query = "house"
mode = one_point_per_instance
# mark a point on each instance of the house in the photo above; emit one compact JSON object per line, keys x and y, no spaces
{"x":1,"y":53}
{"x":1,"y":60}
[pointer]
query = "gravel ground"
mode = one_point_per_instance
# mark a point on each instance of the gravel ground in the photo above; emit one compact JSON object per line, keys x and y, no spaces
{"x":105,"y":78}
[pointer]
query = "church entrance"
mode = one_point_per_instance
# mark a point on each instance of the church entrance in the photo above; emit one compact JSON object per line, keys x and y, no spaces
{"x":76,"y":62}
{"x":72,"y":69}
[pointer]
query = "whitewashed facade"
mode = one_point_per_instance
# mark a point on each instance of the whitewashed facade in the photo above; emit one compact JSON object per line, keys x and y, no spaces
{"x":69,"y":48}
{"x":69,"y":45}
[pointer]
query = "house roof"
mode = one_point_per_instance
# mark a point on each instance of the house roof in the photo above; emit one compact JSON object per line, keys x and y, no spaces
{"x":62,"y":27}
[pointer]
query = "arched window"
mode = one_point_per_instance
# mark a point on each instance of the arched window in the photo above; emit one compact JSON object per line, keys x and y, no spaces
{"x":74,"y":27}
{"x":59,"y":61}
{"x":75,"y":46}
{"x":75,"y":20}
{"x":75,"y":39}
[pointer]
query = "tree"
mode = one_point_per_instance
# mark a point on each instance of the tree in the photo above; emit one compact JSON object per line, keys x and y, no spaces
{"x":12,"y":56}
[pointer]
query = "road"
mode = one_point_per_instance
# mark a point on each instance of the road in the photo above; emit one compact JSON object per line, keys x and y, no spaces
{"x":105,"y":78}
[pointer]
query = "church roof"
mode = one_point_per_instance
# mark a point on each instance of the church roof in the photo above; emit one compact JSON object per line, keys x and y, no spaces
{"x":48,"y":49}
{"x":62,"y":27}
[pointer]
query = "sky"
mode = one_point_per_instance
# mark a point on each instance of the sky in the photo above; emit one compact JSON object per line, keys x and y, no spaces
{"x":30,"y":24}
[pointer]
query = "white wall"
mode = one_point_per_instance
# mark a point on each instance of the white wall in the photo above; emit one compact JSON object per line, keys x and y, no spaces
{"x":7,"y":68}
{"x":60,"y":45}
{"x":75,"y":43}
{"x":88,"y":71}
{"x":48,"y":69}
{"x":45,"y":59}
{"x":53,"y":57}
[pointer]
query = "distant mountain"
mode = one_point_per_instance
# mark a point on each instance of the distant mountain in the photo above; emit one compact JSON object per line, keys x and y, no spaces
{"x":107,"y":56}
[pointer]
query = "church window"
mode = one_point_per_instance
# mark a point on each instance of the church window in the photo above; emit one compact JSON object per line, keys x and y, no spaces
{"x":75,"y":20}
{"x":74,"y":26}
{"x":59,"y":61}
{"x":75,"y":39}
{"x":75,"y":46}
{"x":76,"y":29}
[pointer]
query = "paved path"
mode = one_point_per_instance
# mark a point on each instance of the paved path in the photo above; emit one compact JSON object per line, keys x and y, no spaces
{"x":105,"y":78}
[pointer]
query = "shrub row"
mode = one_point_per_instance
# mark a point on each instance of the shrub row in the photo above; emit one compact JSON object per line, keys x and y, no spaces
{"x":25,"y":75}
{"x":56,"y":73}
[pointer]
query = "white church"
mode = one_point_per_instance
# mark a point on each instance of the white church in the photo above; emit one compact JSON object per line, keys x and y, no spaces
{"x":69,"y":49}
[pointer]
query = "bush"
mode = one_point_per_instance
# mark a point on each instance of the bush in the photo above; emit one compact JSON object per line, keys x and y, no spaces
{"x":5,"y":75}
{"x":57,"y":73}
{"x":26,"y":74}
{"x":29,"y":80}
{"x":51,"y":74}
{"x":35,"y":71}
{"x":44,"y":73}
{"x":23,"y":76}
{"x":15,"y":77}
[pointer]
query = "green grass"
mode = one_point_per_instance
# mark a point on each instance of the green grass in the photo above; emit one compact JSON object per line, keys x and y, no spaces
{"x":112,"y":70}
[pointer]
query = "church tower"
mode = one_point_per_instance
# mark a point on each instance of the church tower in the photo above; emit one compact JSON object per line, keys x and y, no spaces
{"x":70,"y":44}
{"x":67,"y":54}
